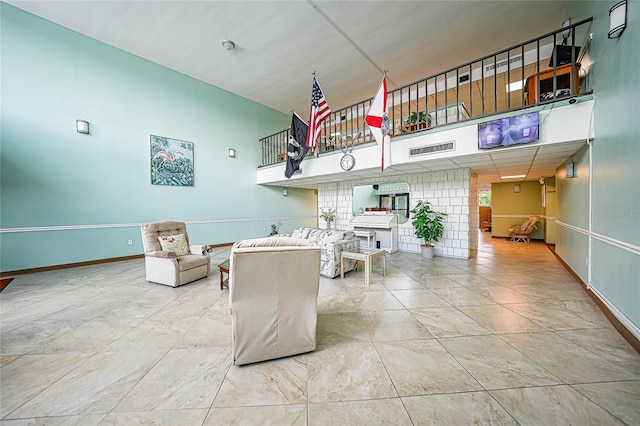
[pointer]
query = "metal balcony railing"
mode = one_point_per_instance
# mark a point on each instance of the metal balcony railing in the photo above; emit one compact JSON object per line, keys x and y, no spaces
{"x":542,"y":70}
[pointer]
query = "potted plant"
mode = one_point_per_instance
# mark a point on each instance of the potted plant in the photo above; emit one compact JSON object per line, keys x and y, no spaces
{"x":428,"y":226}
{"x":420,"y":120}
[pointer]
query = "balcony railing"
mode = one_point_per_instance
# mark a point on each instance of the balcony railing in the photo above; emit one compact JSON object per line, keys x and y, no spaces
{"x":538,"y":71}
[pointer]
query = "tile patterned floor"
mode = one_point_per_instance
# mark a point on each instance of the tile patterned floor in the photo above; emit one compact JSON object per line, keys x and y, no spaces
{"x":507,"y":337}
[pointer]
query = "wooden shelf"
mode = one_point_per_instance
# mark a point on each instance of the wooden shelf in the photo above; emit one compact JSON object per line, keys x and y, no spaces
{"x":564,"y":80}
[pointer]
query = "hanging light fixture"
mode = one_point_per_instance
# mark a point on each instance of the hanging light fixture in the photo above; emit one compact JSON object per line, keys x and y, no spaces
{"x":228,"y":44}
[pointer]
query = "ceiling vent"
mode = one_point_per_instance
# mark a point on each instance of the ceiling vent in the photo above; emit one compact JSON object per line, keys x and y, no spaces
{"x":433,"y":149}
{"x":503,"y":63}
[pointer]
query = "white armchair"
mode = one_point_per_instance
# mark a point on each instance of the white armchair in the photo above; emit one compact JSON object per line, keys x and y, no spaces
{"x":177,"y":262}
{"x":273,"y":295}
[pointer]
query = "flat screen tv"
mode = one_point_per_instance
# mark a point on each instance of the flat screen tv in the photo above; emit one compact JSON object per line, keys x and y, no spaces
{"x":514,"y":130}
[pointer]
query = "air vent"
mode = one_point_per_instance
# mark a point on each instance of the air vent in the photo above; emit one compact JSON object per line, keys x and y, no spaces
{"x":433,"y":149}
{"x":503,"y":63}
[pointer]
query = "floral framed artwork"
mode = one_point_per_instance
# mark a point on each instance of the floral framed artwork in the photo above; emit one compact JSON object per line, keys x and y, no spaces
{"x":171,"y":161}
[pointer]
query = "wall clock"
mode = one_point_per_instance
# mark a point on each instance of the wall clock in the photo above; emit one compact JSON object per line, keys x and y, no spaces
{"x":347,"y":162}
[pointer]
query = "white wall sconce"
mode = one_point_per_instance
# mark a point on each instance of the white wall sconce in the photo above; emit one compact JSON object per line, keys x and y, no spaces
{"x":617,"y":19}
{"x":517,"y":188}
{"x":571,"y":171}
{"x":82,"y":126}
{"x":285,"y":192}
{"x":228,"y":44}
{"x":232,"y":153}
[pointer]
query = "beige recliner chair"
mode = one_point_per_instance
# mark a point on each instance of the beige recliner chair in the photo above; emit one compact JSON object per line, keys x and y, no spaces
{"x":177,"y":262}
{"x":273,"y":295}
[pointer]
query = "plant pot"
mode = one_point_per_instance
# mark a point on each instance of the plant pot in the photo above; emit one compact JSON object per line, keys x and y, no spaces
{"x":427,"y":251}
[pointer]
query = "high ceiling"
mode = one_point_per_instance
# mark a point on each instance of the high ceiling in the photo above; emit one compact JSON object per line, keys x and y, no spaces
{"x":279,"y":44}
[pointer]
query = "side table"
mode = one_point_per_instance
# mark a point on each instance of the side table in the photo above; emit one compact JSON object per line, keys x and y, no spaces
{"x":224,"y":269}
{"x":367,"y":256}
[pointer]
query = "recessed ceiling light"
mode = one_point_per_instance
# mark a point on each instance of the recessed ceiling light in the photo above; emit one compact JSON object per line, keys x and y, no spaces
{"x":512,"y":177}
{"x":228,"y":44}
{"x":516,"y":85}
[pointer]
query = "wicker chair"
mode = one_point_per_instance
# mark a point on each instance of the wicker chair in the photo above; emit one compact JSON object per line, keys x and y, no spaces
{"x":520,"y":233}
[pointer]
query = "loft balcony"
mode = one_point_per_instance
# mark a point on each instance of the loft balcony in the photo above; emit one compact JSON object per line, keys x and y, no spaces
{"x":534,"y":75}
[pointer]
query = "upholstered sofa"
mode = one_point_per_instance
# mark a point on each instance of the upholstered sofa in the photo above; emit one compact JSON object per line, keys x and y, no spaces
{"x":273,"y":295}
{"x":332,"y":242}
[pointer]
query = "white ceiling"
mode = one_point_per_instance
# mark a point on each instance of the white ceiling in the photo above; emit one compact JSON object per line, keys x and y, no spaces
{"x":279,"y":44}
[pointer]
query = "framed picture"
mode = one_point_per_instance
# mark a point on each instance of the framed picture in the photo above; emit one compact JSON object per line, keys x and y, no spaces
{"x":171,"y":161}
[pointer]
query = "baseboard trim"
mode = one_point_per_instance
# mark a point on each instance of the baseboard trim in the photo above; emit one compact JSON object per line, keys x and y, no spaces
{"x":9,"y":274}
{"x":67,"y":265}
{"x":615,"y":322}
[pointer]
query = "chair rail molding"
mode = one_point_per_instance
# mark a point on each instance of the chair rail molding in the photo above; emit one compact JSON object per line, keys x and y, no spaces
{"x":137,"y":225}
{"x":631,"y":248}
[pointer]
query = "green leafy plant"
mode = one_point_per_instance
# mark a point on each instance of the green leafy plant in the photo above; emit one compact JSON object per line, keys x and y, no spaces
{"x":484,"y":200}
{"x":420,"y":117}
{"x":428,"y":223}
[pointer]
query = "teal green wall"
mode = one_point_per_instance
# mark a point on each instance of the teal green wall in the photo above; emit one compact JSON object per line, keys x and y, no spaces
{"x":55,"y":177}
{"x":572,"y":245}
{"x":615,"y":155}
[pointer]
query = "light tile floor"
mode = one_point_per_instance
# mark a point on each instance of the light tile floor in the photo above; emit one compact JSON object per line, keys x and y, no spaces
{"x":506,"y":337}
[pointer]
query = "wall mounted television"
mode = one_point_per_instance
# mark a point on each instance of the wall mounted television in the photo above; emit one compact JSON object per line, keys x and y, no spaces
{"x":508,"y":131}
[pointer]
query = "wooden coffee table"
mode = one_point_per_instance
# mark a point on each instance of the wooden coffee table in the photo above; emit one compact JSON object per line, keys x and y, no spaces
{"x":224,"y":269}
{"x":367,"y":256}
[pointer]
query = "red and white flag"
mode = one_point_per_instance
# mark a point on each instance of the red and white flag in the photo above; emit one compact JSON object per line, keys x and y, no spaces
{"x":319,"y":112}
{"x":378,"y":121}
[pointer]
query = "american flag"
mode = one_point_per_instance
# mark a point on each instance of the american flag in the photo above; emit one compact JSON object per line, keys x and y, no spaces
{"x":319,"y":112}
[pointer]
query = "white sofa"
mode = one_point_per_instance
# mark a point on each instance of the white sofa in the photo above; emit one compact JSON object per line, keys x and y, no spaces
{"x":273,"y":292}
{"x":332,"y":242}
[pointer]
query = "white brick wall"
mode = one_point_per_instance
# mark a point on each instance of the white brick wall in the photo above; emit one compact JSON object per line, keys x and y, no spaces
{"x":474,"y":222}
{"x":450,"y":191}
